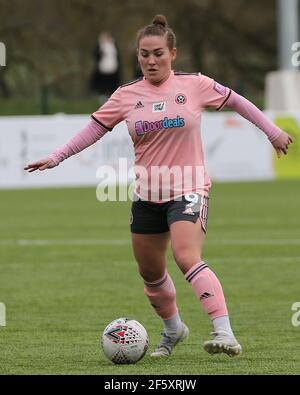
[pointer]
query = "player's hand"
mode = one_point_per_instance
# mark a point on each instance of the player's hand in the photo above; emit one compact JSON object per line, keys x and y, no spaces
{"x":281,"y":144}
{"x":41,"y":165}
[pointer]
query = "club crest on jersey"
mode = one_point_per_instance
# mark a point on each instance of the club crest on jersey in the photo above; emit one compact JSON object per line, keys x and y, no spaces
{"x":159,"y":107}
{"x":180,"y":99}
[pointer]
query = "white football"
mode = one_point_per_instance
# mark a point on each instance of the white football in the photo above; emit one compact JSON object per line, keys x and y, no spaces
{"x":125,"y":341}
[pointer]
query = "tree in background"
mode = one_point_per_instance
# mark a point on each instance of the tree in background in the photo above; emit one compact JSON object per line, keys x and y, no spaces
{"x":50,"y":42}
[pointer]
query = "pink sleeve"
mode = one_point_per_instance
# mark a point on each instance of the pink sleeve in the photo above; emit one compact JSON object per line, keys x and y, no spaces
{"x":250,"y":112}
{"x":212,"y":93}
{"x":111,"y":113}
{"x":87,"y":136}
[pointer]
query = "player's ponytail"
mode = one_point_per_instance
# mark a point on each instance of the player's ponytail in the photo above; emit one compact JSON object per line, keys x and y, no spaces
{"x":158,"y":27}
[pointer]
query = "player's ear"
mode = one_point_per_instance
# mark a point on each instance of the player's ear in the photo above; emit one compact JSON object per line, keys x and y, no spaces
{"x":174,"y":53}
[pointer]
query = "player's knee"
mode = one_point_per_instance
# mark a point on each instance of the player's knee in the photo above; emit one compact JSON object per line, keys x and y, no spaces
{"x":185,"y":258}
{"x":149,"y":275}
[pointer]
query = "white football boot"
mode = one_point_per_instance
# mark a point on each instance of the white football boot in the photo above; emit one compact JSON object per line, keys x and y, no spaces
{"x":169,"y":342}
{"x":223,"y":343}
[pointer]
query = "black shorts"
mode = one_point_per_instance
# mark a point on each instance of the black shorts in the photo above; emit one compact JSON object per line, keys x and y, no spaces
{"x":152,"y":218}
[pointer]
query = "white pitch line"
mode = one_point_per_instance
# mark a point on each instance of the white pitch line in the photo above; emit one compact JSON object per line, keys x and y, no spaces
{"x":254,"y":259}
{"x":255,"y":221}
{"x":113,"y":242}
{"x":209,"y":260}
{"x":45,"y":243}
{"x":254,"y":242}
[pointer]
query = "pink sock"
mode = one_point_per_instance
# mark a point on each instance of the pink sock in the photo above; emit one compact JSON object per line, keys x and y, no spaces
{"x":162,"y":296}
{"x":208,"y":289}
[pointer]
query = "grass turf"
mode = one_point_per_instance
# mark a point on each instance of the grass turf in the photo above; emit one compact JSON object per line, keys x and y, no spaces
{"x":61,"y":292}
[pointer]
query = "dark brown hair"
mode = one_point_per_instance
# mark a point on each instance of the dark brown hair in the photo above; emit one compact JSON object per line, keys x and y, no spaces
{"x":158,"y":27}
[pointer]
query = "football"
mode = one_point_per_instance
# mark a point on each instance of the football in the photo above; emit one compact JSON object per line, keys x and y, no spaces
{"x":124,"y":341}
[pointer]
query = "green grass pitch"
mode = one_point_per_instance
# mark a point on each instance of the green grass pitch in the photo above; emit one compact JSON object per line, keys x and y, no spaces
{"x":67,"y":270}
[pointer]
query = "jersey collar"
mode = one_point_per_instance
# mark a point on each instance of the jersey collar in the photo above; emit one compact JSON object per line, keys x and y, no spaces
{"x":163,"y":85}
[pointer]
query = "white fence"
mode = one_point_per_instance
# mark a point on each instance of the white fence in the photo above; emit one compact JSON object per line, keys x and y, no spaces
{"x":234,"y":149}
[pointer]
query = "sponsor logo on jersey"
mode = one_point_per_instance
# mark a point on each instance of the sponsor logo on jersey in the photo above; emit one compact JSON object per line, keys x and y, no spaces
{"x":180,"y":98}
{"x":159,"y":107}
{"x":139,"y":105}
{"x":220,"y":88}
{"x":143,"y":127}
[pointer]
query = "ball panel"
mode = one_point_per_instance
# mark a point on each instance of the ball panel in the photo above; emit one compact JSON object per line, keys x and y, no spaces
{"x":125,"y":341}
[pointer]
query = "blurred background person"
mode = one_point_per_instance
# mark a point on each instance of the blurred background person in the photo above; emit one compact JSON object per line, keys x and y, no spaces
{"x":106,"y":76}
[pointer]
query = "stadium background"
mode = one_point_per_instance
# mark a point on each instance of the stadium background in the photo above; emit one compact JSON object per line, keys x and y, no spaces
{"x":66,"y":267}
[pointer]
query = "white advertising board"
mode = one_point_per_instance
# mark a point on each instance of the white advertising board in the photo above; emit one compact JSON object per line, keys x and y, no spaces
{"x":234,"y":150}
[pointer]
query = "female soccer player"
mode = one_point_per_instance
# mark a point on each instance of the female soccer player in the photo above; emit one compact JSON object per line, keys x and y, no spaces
{"x":163,"y":113}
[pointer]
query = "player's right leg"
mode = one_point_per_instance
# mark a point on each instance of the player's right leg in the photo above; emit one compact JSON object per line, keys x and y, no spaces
{"x":150,"y":238}
{"x":150,"y":254}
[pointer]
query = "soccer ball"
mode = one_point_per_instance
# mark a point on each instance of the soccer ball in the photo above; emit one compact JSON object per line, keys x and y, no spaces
{"x":125,"y":341}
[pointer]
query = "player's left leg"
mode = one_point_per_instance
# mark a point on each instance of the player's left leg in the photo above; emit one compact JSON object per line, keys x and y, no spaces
{"x":187,"y":242}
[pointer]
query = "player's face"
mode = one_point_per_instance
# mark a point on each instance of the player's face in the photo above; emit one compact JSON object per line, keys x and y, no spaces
{"x":155,"y":58}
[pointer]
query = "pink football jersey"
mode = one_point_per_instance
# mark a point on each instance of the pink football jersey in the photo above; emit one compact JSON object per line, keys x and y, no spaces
{"x":164,"y":125}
